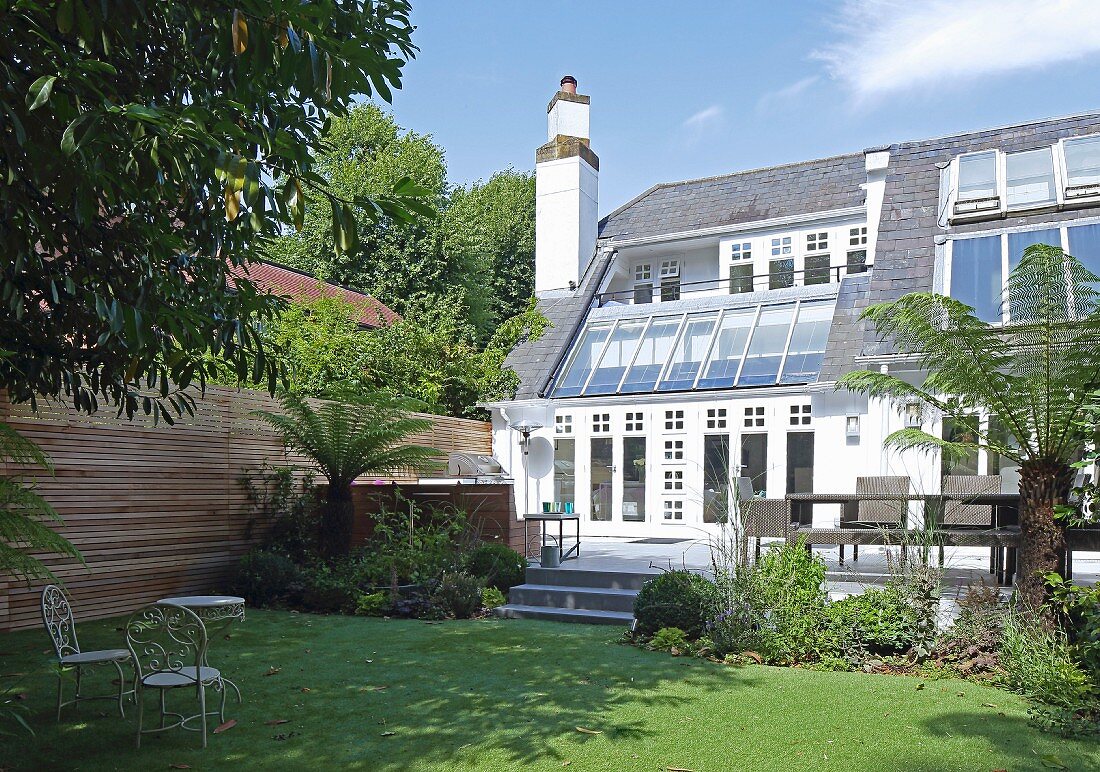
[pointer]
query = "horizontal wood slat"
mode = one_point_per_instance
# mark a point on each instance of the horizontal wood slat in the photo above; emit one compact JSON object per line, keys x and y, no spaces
{"x":158,"y":510}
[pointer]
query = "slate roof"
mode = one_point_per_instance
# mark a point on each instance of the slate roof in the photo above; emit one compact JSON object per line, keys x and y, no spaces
{"x":302,"y":286}
{"x":742,"y":197}
{"x":535,"y":361}
{"x":905,"y":254}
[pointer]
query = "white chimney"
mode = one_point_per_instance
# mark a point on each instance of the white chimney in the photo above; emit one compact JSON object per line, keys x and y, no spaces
{"x":566,"y":193}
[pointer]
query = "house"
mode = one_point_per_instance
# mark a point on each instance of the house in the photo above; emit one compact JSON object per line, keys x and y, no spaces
{"x":699,"y":329}
{"x":305,"y":287}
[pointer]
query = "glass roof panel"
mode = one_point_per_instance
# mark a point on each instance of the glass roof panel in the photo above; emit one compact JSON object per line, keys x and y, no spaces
{"x":690,"y":350}
{"x":745,"y":346}
{"x":729,"y":347}
{"x":652,"y":354}
{"x":765,"y":353}
{"x":616,"y":358}
{"x":584,"y":357}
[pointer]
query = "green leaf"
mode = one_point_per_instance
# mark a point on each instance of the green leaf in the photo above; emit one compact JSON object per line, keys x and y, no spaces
{"x":65,"y":17}
{"x":39,"y":92}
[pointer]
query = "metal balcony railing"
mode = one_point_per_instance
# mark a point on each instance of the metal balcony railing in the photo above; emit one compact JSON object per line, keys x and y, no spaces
{"x":733,"y":285}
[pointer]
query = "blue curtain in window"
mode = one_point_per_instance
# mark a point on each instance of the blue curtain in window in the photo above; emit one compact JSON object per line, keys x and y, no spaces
{"x":976,"y":275}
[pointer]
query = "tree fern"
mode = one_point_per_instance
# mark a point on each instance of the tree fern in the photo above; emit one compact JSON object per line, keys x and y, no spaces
{"x":25,"y":517}
{"x":1038,"y":375}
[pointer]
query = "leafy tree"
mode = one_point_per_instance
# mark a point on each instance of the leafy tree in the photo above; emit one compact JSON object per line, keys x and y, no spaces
{"x":493,"y":223}
{"x":1037,"y":375}
{"x":24,"y":514}
{"x":347,"y":440}
{"x":148,"y":147}
{"x":399,"y":262}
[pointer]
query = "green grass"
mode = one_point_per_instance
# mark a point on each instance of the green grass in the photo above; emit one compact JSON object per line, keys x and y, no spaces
{"x":501,"y":695}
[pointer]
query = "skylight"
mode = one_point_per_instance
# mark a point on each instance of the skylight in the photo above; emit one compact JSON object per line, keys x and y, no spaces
{"x":760,"y":345}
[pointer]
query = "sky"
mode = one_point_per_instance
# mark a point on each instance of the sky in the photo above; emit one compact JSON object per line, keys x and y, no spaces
{"x":693,"y":89}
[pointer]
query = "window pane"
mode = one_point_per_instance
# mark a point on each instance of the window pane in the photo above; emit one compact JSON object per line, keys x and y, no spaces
{"x":716,"y":478}
{"x":689,"y":353}
{"x":634,"y":479}
{"x":721,"y":370}
{"x":781,"y":273}
{"x":978,"y":176}
{"x":588,"y":348}
{"x":1030,"y":177}
{"x":601,"y":478}
{"x":961,"y":430}
{"x":652,"y":355}
{"x":643,"y":293}
{"x":857,"y":261}
{"x":616,"y":358}
{"x":976,"y":275}
{"x":740,"y":278}
{"x":766,"y":347}
{"x":670,"y":290}
{"x":811,"y":333}
{"x":1018,"y":242}
{"x":800,"y":462}
{"x":817,"y":270}
{"x":1083,"y":161}
{"x":754,"y":461}
{"x":565,"y":470}
{"x":1084,"y":244}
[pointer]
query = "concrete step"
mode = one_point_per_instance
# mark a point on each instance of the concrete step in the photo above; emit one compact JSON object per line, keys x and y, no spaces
{"x":556,"y":596}
{"x":582,"y":616}
{"x":575,"y":577}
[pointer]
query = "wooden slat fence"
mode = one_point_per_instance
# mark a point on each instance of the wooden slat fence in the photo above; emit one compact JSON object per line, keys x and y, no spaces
{"x":159,"y":510}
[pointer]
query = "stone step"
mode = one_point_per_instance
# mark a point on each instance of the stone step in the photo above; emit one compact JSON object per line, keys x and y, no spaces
{"x":575,"y":577}
{"x":556,"y":596}
{"x":582,"y":616}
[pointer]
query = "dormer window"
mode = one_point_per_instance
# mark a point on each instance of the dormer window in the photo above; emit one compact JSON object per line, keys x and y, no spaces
{"x":670,"y":280}
{"x":1082,"y":167}
{"x":643,"y":283}
{"x":1030,"y":178}
{"x":977,"y":188}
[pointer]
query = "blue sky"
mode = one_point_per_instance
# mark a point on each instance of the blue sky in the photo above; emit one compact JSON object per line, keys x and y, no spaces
{"x":693,"y":89}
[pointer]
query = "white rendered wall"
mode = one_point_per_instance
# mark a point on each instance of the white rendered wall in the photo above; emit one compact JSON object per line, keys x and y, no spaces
{"x":566,"y":219}
{"x":568,"y":119}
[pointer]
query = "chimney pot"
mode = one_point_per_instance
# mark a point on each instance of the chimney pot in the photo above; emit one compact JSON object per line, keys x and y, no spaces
{"x":569,"y":84}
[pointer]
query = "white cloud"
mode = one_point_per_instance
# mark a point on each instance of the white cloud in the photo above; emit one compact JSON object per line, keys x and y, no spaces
{"x":785,"y":96}
{"x":891,"y":45}
{"x":704,"y":118}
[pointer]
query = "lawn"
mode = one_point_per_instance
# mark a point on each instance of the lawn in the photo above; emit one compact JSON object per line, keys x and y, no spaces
{"x":498,"y":695}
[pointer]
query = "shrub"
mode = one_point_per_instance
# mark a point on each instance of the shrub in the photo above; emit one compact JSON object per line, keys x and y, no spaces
{"x":265,"y":578}
{"x":675,"y":599}
{"x":328,"y":591}
{"x":669,"y":639}
{"x":491,"y":597}
{"x":879,"y":621}
{"x":1039,"y":663}
{"x":459,"y":594}
{"x":1078,"y":611}
{"x":789,"y":585}
{"x":498,"y":565}
{"x":972,"y":643}
{"x":373,"y":604}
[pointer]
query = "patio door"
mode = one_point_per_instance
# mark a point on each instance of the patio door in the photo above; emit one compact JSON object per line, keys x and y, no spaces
{"x":754,"y":461}
{"x":633,"y":479}
{"x":716,"y":478}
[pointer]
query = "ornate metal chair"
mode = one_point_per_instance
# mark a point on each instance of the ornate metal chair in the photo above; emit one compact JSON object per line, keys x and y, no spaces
{"x":168,"y":643}
{"x":57,"y":616}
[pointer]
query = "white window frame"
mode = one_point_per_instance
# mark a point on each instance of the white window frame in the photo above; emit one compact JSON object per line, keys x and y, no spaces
{"x":1058,"y":166}
{"x":1061,"y":176}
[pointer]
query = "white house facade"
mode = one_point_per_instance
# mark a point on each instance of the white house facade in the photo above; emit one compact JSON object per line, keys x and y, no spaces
{"x":699,"y":330}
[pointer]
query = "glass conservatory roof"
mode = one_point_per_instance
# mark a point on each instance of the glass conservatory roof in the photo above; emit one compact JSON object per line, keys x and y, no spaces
{"x":762,"y":345}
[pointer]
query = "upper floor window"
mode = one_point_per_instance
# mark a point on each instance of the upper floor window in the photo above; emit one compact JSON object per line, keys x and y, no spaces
{"x":992,"y":182}
{"x":782,"y":245}
{"x":857,"y":236}
{"x":670,"y":280}
{"x":741,"y":251}
{"x":643,"y":283}
{"x":817,"y":242}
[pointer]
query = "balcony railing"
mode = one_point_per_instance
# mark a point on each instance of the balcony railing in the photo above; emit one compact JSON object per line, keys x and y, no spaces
{"x":733,"y":285}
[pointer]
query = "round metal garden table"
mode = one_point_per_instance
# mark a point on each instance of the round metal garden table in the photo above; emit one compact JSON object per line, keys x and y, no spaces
{"x":217,"y":613}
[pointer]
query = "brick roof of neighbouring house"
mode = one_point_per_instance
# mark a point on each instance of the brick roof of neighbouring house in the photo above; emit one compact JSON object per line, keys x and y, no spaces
{"x":742,"y":197}
{"x":302,"y":286}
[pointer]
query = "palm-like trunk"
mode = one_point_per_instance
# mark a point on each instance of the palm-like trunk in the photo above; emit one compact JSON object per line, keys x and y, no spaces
{"x":337,"y":519}
{"x":1042,"y":538}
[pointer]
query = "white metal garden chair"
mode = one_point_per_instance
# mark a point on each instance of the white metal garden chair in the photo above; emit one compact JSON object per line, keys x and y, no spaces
{"x":168,"y":643}
{"x":57,"y":616}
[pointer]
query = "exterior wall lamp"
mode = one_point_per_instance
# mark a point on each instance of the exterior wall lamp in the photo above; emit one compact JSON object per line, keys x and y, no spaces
{"x":914,"y":415}
{"x":851,"y":426}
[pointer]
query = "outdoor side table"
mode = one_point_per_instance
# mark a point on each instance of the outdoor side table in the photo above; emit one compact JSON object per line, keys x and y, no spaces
{"x":554,"y":517}
{"x":217,"y":613}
